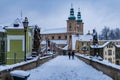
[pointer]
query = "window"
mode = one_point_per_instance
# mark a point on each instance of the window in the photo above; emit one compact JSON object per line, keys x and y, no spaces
{"x":110,"y":60}
{"x":70,"y":28}
{"x":59,"y":37}
{"x":82,"y":43}
{"x":111,"y":46}
{"x":109,"y":52}
{"x":52,"y":37}
{"x":105,"y":58}
{"x":65,"y":37}
{"x":70,"y":36}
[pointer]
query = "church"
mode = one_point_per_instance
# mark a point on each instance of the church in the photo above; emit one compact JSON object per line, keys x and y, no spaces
{"x":63,"y":36}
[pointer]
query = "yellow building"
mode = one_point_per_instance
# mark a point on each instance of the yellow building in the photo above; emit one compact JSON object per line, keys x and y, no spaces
{"x":106,"y":49}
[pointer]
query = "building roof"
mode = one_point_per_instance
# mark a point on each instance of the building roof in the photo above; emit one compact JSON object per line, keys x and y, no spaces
{"x":1,"y":29}
{"x":100,"y":46}
{"x":55,"y":41}
{"x":118,"y":46}
{"x":85,"y":37}
{"x":110,"y":40}
{"x":16,"y":21}
{"x":54,"y":30}
{"x":80,"y":38}
{"x":65,"y":48}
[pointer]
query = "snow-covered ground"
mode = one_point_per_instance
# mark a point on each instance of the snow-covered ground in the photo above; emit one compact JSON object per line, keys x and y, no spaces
{"x":61,"y":68}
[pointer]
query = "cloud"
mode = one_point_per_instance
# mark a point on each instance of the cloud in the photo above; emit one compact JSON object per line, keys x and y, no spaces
{"x":54,"y":13}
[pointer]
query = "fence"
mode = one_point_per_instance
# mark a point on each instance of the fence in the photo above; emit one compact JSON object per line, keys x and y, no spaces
{"x":4,"y":72}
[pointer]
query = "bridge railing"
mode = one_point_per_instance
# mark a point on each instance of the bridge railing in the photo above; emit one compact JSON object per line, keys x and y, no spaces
{"x":109,"y":69}
{"x":30,"y":64}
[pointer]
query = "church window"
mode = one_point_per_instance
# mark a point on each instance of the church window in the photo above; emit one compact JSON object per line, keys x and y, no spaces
{"x":52,"y":37}
{"x":65,"y":37}
{"x":59,"y":37}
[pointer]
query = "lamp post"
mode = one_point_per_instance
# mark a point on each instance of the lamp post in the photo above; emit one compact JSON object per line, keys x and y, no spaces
{"x":25,"y":24}
{"x":46,"y":44}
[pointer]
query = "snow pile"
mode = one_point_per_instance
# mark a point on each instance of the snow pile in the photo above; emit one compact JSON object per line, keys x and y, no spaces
{"x":54,"y":30}
{"x":10,"y":67}
{"x":61,"y":68}
{"x":19,"y":73}
{"x":1,"y":29}
{"x":98,"y":59}
{"x":55,"y":41}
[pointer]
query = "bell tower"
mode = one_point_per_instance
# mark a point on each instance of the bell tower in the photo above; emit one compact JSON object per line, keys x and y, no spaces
{"x":79,"y":23}
{"x":71,"y":22}
{"x":71,"y":27}
{"x":74,"y":26}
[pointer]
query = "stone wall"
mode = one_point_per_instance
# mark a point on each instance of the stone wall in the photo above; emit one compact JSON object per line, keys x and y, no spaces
{"x":5,"y":74}
{"x":113,"y":72}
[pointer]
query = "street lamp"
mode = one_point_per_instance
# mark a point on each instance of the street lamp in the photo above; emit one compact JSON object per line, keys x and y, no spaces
{"x":46,"y":44}
{"x":25,"y":24}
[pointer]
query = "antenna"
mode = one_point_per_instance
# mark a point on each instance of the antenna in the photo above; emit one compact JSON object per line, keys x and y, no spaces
{"x":21,"y":14}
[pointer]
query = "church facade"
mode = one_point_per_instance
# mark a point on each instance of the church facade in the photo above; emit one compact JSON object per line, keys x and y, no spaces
{"x":63,"y":36}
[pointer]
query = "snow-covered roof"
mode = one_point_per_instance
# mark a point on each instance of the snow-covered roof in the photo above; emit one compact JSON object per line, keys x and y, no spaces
{"x":118,"y":46}
{"x":16,"y":21}
{"x":55,"y":41}
{"x":85,"y":37}
{"x":19,"y":24}
{"x":20,"y":73}
{"x":80,"y":38}
{"x":53,"y":30}
{"x":65,"y":48}
{"x":99,"y":46}
{"x":1,"y":29}
{"x":110,"y":40}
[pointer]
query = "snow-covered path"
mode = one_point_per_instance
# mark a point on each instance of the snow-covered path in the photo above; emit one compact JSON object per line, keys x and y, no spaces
{"x":61,"y":68}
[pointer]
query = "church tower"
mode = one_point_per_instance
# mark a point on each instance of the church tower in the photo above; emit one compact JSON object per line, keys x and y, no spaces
{"x":80,"y":23}
{"x":71,"y":22}
{"x":74,"y":26}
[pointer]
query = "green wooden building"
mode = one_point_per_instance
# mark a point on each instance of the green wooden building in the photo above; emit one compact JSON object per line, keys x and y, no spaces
{"x":16,"y":42}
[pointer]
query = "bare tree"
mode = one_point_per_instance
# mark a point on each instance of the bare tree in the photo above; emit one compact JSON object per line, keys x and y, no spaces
{"x":105,"y":33}
{"x":117,"y":33}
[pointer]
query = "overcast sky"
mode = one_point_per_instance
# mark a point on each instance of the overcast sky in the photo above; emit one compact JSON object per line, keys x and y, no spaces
{"x":54,"y":13}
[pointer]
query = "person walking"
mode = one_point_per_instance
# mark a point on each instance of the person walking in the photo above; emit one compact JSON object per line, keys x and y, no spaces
{"x":69,"y":54}
{"x":73,"y":54}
